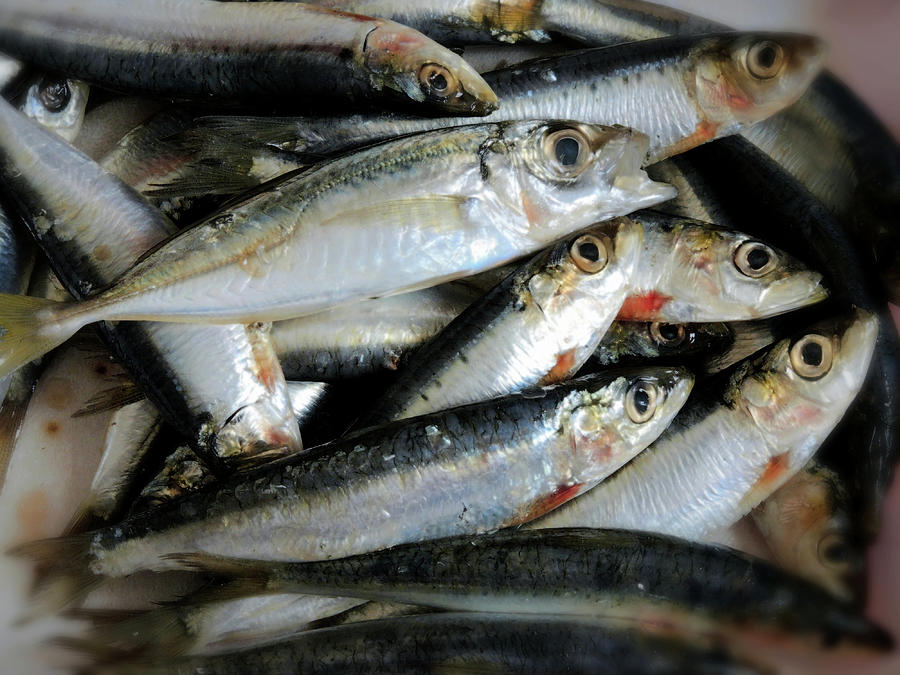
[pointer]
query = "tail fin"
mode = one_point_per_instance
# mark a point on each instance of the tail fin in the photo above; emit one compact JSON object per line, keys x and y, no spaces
{"x":12,"y":414}
{"x":127,"y":634}
{"x":242,"y":577}
{"x":62,"y":575}
{"x":110,"y":399}
{"x":24,"y":334}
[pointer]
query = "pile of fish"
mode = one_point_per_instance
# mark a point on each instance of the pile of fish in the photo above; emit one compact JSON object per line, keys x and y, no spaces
{"x":474,"y":336}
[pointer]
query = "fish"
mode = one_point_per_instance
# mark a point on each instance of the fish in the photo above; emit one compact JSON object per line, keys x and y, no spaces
{"x":220,"y":386}
{"x":709,"y":347}
{"x":460,"y":643}
{"x":468,"y":470}
{"x":106,"y":124}
{"x":367,"y":337}
{"x":773,"y":206}
{"x":735,"y":446}
{"x":707,"y":590}
{"x":409,"y":204}
{"x":808,"y":528}
{"x":167,"y":48}
{"x":536,"y":327}
{"x":681,"y":92}
{"x":58,"y":104}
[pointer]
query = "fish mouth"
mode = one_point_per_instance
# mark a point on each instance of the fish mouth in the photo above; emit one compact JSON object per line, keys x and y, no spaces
{"x":629,"y":178}
{"x":799,"y":290}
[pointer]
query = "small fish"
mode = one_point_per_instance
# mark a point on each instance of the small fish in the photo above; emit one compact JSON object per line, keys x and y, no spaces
{"x":735,"y":446}
{"x":537,"y":327}
{"x":465,"y":643}
{"x":107,"y":123}
{"x":58,"y":104}
{"x":386,"y":219}
{"x":692,"y":271}
{"x":599,"y":573}
{"x":807,"y":527}
{"x":709,"y":347}
{"x":271,"y":51}
{"x":467,"y":470}
{"x":681,"y":92}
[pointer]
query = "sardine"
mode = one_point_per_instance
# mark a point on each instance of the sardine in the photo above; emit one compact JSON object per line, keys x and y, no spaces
{"x":272,"y":51}
{"x":709,"y":347}
{"x":58,"y":104}
{"x":460,"y":643}
{"x":807,"y":527}
{"x":221,"y":386}
{"x":733,"y":447}
{"x":412,"y":205}
{"x":106,"y":124}
{"x":468,"y":470}
{"x":537,"y":327}
{"x":582,"y":572}
{"x":681,"y":92}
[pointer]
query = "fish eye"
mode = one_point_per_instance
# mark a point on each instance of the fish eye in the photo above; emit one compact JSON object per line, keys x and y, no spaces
{"x":641,"y":401}
{"x":589,"y":253}
{"x":811,"y":356}
{"x":765,"y":59}
{"x":436,"y":80}
{"x":568,"y":151}
{"x":667,"y":334}
{"x":54,"y":95}
{"x":833,"y":550}
{"x":755,"y":259}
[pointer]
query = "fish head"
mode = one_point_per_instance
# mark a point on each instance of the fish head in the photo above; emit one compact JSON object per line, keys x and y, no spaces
{"x":406,"y":61}
{"x":58,"y":104}
{"x":810,"y":514}
{"x":722,"y":275}
{"x":567,"y":175}
{"x":797,"y":392}
{"x":744,"y":78}
{"x":614,"y":416}
{"x":257,"y":433}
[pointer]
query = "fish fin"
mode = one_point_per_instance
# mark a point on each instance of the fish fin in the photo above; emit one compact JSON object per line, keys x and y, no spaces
{"x":102,"y":617}
{"x":285,"y":133}
{"x":22,"y":334}
{"x":119,"y":634}
{"x":749,"y":338}
{"x":433,"y":212}
{"x":242,"y":576}
{"x":61,"y":572}
{"x":12,"y":415}
{"x":110,"y":399}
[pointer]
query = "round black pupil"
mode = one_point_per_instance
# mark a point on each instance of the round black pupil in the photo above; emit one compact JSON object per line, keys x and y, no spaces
{"x":589,"y":251}
{"x":437,"y":81}
{"x":641,"y":401}
{"x":567,"y":151}
{"x":668,"y":332}
{"x":766,"y":56}
{"x":837,"y":553}
{"x":812,"y":353}
{"x":758,"y":258}
{"x":54,"y":95}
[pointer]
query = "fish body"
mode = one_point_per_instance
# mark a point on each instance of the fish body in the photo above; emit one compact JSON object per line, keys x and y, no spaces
{"x":681,"y":92}
{"x":359,"y":230}
{"x":468,"y":470}
{"x":238,"y":51}
{"x":732,"y":448}
{"x":221,"y":386}
{"x":538,"y":326}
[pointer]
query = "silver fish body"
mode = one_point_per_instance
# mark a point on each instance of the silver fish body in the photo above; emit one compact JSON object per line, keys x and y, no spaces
{"x":206,"y":49}
{"x":468,"y":470}
{"x":537,"y":327}
{"x":730,"y":450}
{"x":219,"y":385}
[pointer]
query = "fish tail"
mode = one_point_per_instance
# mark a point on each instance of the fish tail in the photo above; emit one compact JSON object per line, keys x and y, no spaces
{"x":242,"y":577}
{"x":62,"y":574}
{"x":83,"y":519}
{"x":12,"y":415}
{"x":119,"y":634}
{"x":30,"y":327}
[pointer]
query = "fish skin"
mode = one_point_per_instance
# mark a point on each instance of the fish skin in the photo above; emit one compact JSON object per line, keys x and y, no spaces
{"x":808,"y":528}
{"x":536,"y":327}
{"x":499,"y":185}
{"x":468,"y":470}
{"x":168,"y":48}
{"x":599,"y":573}
{"x":680,"y":91}
{"x":770,"y":204}
{"x":690,"y":484}
{"x":220,"y":386}
{"x":461,"y":642}
{"x":366,"y":337}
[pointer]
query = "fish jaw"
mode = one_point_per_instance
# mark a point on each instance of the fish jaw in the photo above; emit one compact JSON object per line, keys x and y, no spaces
{"x":799,"y":290}
{"x":406,"y":61}
{"x":730,"y":96}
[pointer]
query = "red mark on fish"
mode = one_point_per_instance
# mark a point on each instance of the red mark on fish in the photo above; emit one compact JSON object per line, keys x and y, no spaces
{"x":643,"y":307}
